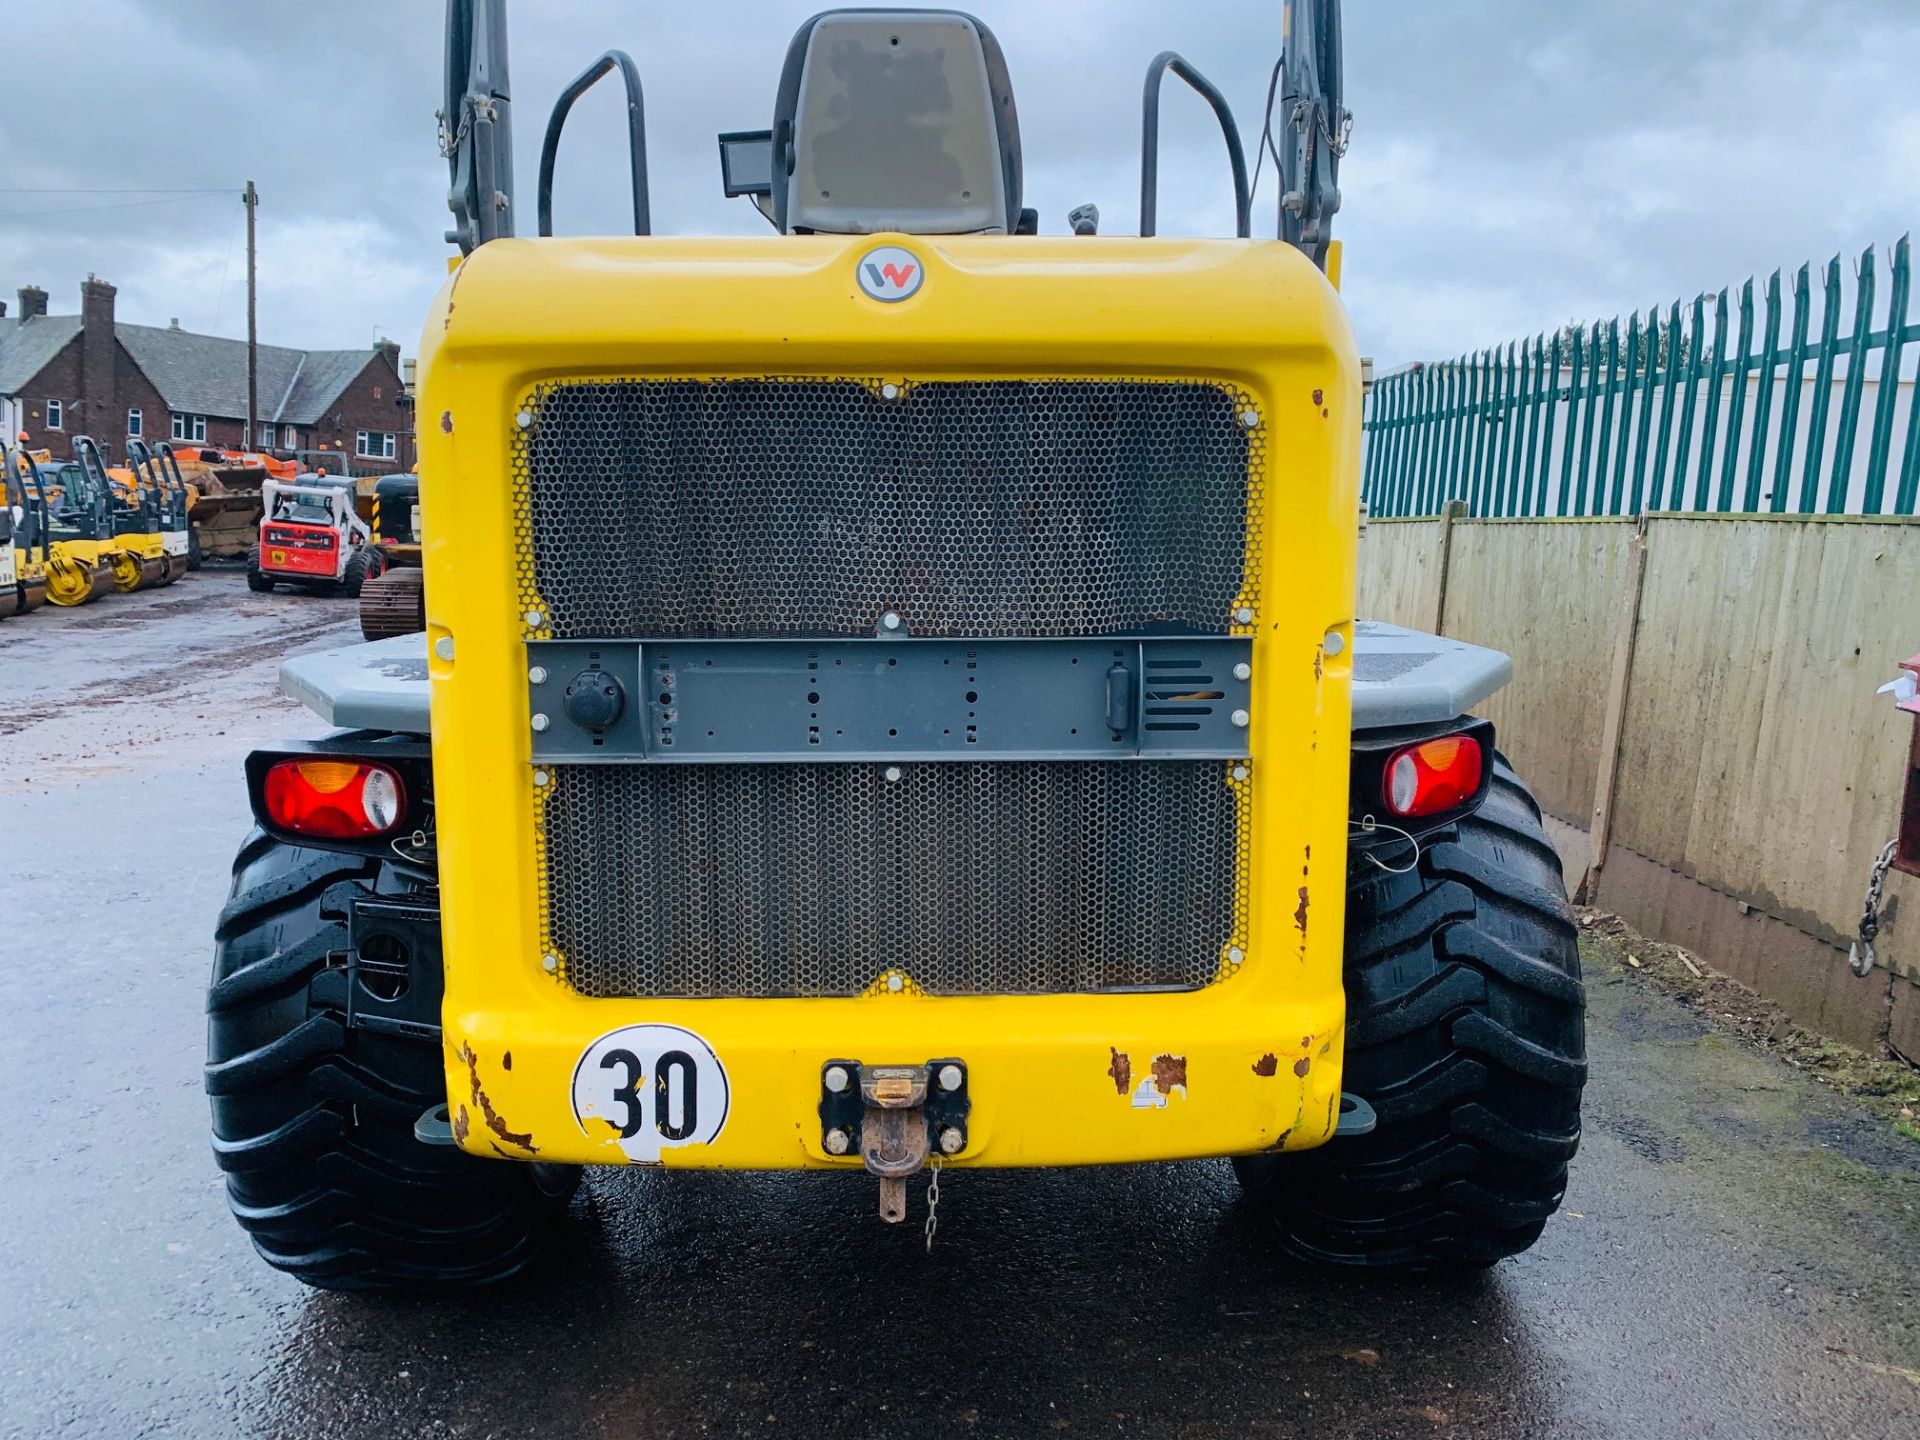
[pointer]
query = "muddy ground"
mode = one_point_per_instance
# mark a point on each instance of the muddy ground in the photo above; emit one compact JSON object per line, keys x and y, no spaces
{"x":1737,"y":1255}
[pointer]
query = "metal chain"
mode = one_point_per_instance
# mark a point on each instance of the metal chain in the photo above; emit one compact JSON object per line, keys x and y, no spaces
{"x":933,"y":1204}
{"x":1860,"y":959}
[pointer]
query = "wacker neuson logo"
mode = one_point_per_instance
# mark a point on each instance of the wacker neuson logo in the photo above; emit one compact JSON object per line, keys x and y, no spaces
{"x":890,"y":273}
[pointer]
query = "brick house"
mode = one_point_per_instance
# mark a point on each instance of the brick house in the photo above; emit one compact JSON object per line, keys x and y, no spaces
{"x":90,"y":374}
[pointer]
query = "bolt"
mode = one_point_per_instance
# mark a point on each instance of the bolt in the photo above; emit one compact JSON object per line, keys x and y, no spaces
{"x":1240,"y":772}
{"x":895,"y":983}
{"x":524,"y":419}
{"x":890,"y":621}
{"x":539,"y":777}
{"x":889,"y":391}
{"x":538,"y":675}
{"x":836,"y":1079}
{"x":951,"y":1078}
{"x":950,"y":1140}
{"x":535,"y":619}
{"x":1244,"y":615}
{"x":1235,"y":954}
{"x":1249,"y":418}
{"x":443,"y":647}
{"x":1241,"y":719}
{"x":540,"y":722}
{"x":549,"y":963}
{"x":1243,"y":671}
{"x":1335,"y":642}
{"x":892,"y":774}
{"x":837,"y":1142}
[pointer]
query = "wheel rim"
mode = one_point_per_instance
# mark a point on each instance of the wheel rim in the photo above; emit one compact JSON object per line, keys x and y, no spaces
{"x":127,"y":572}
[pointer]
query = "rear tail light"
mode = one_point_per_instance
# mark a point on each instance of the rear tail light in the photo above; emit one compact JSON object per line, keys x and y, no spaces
{"x":334,"y":799}
{"x":1433,"y":776}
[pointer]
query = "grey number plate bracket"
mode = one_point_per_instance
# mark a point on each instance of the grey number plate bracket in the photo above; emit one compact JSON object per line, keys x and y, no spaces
{"x":814,"y":701}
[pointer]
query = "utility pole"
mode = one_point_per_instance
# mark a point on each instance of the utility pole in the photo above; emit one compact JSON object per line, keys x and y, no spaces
{"x":253,"y":330}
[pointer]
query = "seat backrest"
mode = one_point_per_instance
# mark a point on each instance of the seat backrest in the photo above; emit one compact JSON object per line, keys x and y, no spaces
{"x":895,"y":120}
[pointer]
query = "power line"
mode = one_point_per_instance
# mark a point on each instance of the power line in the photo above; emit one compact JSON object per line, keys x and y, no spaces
{"x":172,"y":199}
{"x":113,"y":190}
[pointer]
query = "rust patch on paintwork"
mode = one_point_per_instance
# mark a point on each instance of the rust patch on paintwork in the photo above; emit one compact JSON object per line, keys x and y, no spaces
{"x":1301,"y":1066}
{"x":1169,"y":1071}
{"x":446,"y":422}
{"x":495,"y":1122}
{"x":506,"y":1061}
{"x":1319,"y":396}
{"x":1316,"y":662}
{"x":1281,"y":1143}
{"x":1121,"y":1069}
{"x":1300,"y":913}
{"x":1267,"y":1064}
{"x":460,"y":1125}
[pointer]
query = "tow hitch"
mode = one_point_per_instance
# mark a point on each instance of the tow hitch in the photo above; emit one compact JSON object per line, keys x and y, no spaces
{"x":895,"y":1116}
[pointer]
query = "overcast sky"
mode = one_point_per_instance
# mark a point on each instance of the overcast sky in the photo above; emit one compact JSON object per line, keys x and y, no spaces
{"x":1514,"y":163}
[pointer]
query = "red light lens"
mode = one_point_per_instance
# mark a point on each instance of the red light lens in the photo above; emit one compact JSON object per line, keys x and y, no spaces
{"x":1433,"y":776}
{"x":334,"y":799}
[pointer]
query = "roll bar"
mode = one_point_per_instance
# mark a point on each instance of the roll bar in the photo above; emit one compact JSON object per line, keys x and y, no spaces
{"x":636,"y":137}
{"x":1150,"y":142}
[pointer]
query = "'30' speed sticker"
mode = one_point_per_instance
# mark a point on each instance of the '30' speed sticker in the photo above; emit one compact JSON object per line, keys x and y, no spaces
{"x":657,"y":1086}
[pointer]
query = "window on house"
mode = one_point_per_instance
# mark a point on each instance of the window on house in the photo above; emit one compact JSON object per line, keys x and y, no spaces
{"x":290,"y":438}
{"x":134,"y":423}
{"x":375,"y":445}
{"x":190,"y":427}
{"x":267,"y":428}
{"x":56,"y":415}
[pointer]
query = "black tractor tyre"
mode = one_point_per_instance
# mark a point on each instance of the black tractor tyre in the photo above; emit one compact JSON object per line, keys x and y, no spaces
{"x":1465,"y":1033}
{"x":196,"y":552}
{"x":363,"y":565}
{"x":256,"y":582}
{"x":313,"y":1123}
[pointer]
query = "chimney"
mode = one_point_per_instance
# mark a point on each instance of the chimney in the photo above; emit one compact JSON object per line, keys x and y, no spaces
{"x":33,"y":301}
{"x":390,"y":349}
{"x":174,"y":323}
{"x":97,"y":347}
{"x":3,"y":309}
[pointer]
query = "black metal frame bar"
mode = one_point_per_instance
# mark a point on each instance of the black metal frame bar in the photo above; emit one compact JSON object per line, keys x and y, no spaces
{"x":1150,"y":142}
{"x":636,"y":136}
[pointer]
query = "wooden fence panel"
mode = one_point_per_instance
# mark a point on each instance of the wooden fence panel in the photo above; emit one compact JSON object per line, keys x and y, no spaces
{"x":1400,"y":572}
{"x":1546,"y":592}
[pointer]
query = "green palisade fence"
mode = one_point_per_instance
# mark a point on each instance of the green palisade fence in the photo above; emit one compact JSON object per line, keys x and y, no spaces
{"x":1752,"y":408}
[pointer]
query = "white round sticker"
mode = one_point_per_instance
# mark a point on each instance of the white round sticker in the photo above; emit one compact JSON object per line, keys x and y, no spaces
{"x":658,"y":1086}
{"x":889,"y":273}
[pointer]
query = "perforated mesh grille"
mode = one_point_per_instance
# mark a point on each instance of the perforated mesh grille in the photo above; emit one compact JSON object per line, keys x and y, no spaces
{"x":769,"y":507}
{"x":995,"y":878}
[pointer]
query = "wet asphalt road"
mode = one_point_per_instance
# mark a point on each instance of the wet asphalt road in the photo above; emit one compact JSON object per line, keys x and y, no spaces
{"x":1738,"y":1256}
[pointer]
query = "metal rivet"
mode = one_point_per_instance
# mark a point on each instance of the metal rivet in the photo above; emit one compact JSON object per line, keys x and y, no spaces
{"x":837,"y":1142}
{"x":540,"y":722}
{"x":1235,"y":954}
{"x":535,"y":619}
{"x":524,"y":419}
{"x":1240,"y":772}
{"x":1336,"y":642}
{"x":896,"y":984}
{"x":951,"y":1078}
{"x":1244,"y":615}
{"x":1243,"y":671}
{"x":538,"y":675}
{"x":1241,"y":719}
{"x":892,"y":774}
{"x":540,"y":777}
{"x":836,"y":1079}
{"x":443,"y":647}
{"x":1249,"y":418}
{"x":889,"y":391}
{"x":549,"y":962}
{"x":890,"y":621}
{"x":950,"y":1140}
